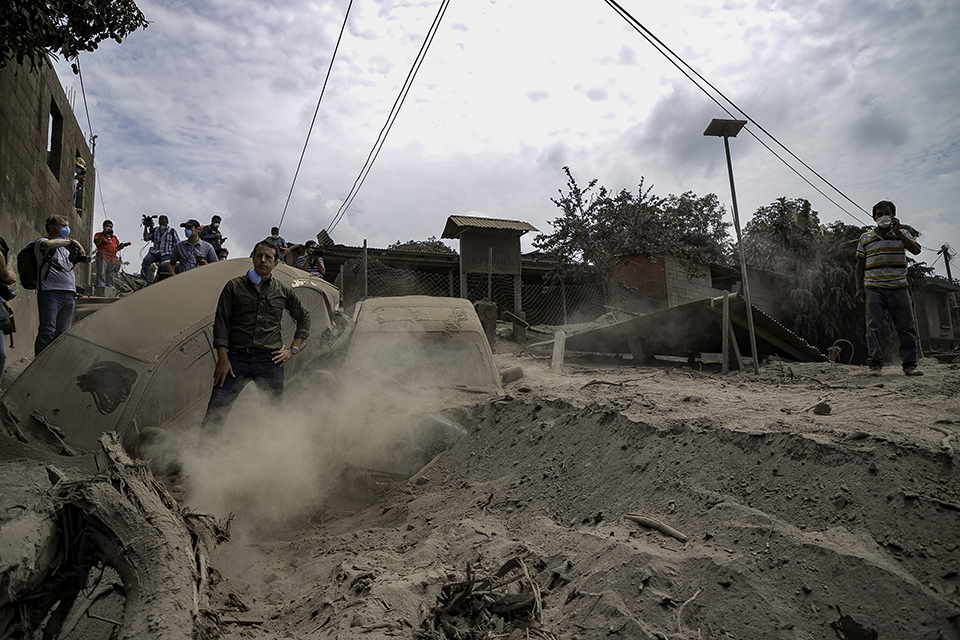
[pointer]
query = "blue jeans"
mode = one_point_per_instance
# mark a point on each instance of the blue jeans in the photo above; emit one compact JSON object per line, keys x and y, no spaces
{"x":897,"y":302}
{"x":104,"y":272}
{"x":148,"y":260}
{"x":258,"y":367}
{"x":56,"y":314}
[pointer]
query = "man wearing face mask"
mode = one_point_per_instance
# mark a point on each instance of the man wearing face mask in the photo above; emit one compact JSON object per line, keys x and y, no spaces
{"x":192,"y":252}
{"x":211,"y":233}
{"x":56,"y":282}
{"x":881,"y":275}
{"x":246,"y":335}
{"x":107,"y":246}
{"x":164,"y":238}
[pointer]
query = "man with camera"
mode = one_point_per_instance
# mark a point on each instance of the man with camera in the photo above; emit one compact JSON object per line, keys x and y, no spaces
{"x":56,"y":255}
{"x":881,"y":274}
{"x":312,"y":260}
{"x":163,"y":237}
{"x":211,"y":234}
{"x":107,"y":260}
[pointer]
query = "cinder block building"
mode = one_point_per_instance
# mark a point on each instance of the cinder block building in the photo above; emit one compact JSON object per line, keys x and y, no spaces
{"x":46,"y":168}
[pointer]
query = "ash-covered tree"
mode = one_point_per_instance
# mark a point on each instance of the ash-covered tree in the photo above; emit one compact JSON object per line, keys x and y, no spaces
{"x":430,"y":245}
{"x":32,"y":29}
{"x":597,"y":228}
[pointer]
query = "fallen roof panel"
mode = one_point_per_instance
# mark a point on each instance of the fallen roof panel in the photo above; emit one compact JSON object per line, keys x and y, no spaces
{"x":695,"y":328}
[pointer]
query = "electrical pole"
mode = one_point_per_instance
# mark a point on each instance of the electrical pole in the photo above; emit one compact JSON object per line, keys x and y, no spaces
{"x":945,"y":252}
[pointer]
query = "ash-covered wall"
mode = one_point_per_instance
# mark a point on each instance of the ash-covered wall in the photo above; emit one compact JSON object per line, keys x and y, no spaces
{"x":40,"y":142}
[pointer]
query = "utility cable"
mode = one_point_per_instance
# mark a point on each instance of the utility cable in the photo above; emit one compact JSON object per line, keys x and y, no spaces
{"x":391,"y":118}
{"x":663,"y":49}
{"x":323,"y":89}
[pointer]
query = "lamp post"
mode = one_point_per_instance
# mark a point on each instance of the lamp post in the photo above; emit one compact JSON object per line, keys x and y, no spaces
{"x":727,"y":129}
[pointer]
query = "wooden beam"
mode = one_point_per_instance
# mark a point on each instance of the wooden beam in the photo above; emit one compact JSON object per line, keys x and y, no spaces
{"x":772,"y":339}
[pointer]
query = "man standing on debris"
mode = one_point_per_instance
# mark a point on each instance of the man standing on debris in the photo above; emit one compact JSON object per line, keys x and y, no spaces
{"x":882,"y":283}
{"x":107,"y":260}
{"x":246,"y":334}
{"x":211,"y":234}
{"x":164,"y":238}
{"x":192,"y":252}
{"x":276,"y":238}
{"x":312,"y":260}
{"x":56,"y":254}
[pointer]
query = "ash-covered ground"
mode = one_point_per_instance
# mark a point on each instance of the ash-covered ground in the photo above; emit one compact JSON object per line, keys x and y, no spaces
{"x":799,"y":523}
{"x":811,"y":501}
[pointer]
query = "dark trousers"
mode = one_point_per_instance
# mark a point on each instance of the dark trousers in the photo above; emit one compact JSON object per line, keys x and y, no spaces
{"x":55,"y":308}
{"x":258,"y":367}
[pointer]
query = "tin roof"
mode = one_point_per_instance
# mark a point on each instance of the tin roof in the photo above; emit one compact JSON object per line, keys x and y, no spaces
{"x":458,"y":225}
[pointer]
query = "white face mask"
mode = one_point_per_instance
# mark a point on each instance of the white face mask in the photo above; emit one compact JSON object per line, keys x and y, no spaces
{"x":215,"y":225}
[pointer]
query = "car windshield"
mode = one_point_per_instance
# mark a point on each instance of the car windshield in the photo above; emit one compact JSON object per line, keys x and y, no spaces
{"x":432,"y":359}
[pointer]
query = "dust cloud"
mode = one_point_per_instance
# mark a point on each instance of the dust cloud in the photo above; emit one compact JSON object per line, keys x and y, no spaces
{"x":268,"y":465}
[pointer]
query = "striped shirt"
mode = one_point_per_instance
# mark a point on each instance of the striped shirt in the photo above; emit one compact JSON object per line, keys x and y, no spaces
{"x":885,"y":259}
{"x":163,"y":241}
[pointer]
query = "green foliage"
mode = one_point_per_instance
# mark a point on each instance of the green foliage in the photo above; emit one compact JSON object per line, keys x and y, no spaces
{"x":598,"y":228}
{"x":31,"y":29}
{"x":430,"y":245}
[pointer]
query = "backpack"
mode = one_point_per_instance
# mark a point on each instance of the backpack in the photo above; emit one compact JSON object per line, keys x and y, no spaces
{"x":27,"y":268}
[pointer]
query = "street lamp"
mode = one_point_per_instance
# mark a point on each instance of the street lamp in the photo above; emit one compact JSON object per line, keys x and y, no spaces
{"x":729,"y":129}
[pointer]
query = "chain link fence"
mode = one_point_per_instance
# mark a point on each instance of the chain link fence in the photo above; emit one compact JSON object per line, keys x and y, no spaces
{"x":550,"y":304}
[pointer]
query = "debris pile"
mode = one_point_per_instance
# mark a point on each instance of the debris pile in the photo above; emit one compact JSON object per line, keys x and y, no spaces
{"x":505,"y":604}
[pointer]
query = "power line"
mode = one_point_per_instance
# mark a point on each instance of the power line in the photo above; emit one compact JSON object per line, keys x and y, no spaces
{"x":316,"y":111}
{"x":663,"y":49}
{"x":391,"y":118}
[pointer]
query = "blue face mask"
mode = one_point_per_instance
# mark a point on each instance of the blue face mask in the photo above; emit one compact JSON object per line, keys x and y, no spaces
{"x":254,"y":276}
{"x":188,"y":232}
{"x":64,"y":231}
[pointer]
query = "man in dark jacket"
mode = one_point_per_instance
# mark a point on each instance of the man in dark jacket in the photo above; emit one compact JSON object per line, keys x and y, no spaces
{"x":246,"y":334}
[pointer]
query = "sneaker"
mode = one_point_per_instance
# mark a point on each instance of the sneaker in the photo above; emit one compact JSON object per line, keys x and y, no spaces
{"x":912,"y":371}
{"x":875,"y":369}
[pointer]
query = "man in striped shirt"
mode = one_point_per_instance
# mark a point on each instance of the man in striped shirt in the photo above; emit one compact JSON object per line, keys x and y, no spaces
{"x":882,"y":284}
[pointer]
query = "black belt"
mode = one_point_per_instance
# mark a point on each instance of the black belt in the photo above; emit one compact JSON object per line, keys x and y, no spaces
{"x":252,"y":350}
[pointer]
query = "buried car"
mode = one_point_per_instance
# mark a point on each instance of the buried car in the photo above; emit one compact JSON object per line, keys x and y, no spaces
{"x":147,"y":360}
{"x":407,"y":360}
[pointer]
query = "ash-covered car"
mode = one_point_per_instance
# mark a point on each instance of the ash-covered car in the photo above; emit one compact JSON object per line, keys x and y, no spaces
{"x":408,"y":359}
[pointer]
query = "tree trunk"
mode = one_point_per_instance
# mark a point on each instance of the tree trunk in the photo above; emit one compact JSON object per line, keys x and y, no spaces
{"x":125,"y":519}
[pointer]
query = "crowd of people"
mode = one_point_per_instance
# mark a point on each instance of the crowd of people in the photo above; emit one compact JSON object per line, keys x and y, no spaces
{"x":169,"y":254}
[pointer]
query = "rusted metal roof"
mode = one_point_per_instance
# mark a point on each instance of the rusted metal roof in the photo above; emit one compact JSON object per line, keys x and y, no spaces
{"x":695,"y":328}
{"x":458,"y":225}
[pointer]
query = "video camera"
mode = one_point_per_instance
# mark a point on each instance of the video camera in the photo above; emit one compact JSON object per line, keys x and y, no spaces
{"x":75,"y":256}
{"x":147,"y":221}
{"x":314,"y":250}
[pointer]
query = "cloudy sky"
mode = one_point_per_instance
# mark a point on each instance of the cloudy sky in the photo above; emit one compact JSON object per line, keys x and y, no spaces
{"x":206,"y":111}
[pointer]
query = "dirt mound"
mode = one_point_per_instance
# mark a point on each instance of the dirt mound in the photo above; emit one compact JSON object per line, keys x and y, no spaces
{"x":816,"y":502}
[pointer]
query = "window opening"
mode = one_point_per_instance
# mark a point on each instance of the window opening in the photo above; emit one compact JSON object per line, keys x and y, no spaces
{"x":54,"y":139}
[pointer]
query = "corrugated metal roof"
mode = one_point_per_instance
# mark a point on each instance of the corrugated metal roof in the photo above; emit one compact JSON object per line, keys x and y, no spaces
{"x":694,"y":327}
{"x":458,"y":225}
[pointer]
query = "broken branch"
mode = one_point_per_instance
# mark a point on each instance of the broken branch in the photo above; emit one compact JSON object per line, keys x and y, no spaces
{"x":656,"y":524}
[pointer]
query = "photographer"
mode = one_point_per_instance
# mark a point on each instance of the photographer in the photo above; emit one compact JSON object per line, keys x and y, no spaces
{"x":163,"y":237}
{"x":56,"y":282}
{"x":107,"y":260}
{"x":211,"y":234}
{"x":312,"y":260}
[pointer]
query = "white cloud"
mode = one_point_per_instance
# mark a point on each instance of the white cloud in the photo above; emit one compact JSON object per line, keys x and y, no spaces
{"x":206,"y":111}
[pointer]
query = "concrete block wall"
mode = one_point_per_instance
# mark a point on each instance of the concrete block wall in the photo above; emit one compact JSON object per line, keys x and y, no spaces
{"x":30,"y":190}
{"x":683,"y":287}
